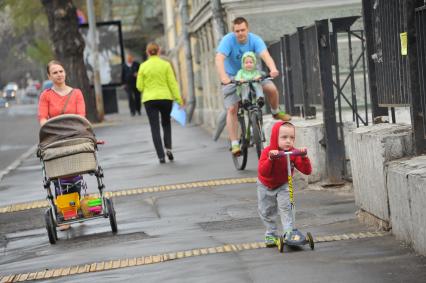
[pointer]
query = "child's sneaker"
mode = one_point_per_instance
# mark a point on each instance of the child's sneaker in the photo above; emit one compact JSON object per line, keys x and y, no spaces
{"x":246,"y":103}
{"x":236,"y":150}
{"x":260,"y":101}
{"x":282,"y":116}
{"x":270,"y":240}
{"x":287,"y":235}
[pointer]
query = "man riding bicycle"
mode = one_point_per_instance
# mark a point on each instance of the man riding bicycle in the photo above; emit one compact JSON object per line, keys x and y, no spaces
{"x":228,"y":62}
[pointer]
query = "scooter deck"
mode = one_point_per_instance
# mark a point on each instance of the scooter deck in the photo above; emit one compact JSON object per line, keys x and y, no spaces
{"x":296,"y":239}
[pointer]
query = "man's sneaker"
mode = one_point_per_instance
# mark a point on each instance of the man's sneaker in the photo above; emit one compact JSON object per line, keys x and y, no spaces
{"x":270,"y":240}
{"x":282,"y":116}
{"x":236,"y":150}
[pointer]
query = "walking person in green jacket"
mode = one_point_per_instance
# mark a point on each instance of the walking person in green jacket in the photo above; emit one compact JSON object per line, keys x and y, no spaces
{"x":158,"y":84}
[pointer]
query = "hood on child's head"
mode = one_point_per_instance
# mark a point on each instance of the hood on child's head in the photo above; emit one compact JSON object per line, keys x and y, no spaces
{"x":273,"y":143}
{"x":248,"y":54}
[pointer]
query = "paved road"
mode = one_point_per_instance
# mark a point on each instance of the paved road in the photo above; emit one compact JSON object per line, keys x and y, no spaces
{"x":191,"y":219}
{"x":18,"y":132}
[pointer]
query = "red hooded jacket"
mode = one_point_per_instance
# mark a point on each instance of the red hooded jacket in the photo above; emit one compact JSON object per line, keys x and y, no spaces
{"x":273,"y":173}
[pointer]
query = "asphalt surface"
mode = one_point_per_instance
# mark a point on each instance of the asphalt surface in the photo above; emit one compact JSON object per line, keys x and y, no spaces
{"x":193,"y":218}
{"x":18,"y":132}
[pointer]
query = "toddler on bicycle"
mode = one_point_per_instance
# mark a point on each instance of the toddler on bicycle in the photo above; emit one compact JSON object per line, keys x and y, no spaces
{"x":272,"y":186}
{"x":249,"y":72}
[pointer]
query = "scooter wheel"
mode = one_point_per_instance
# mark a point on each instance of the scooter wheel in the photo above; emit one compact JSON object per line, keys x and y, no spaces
{"x":280,"y":244}
{"x":310,"y":240}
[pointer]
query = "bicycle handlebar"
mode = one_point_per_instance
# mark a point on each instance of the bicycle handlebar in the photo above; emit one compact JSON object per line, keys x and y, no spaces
{"x":262,"y":78}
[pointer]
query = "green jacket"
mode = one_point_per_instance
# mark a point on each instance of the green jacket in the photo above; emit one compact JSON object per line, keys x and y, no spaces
{"x":244,"y":74}
{"x":157,"y":81}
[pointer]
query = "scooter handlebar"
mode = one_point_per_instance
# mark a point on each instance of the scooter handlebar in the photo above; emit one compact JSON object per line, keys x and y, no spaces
{"x":295,"y":152}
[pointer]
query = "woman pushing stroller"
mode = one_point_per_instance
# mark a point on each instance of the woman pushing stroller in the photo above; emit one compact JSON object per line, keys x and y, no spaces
{"x":58,"y":100}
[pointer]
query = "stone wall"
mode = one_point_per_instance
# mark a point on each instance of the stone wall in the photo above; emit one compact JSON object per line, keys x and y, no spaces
{"x":370,"y":148}
{"x":406,"y":183}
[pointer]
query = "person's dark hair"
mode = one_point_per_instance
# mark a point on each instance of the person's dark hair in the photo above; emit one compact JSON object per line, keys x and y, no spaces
{"x":53,"y":62}
{"x":152,"y":48}
{"x":239,"y":21}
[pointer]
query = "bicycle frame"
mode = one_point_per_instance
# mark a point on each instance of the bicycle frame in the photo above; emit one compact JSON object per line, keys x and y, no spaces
{"x":247,"y":111}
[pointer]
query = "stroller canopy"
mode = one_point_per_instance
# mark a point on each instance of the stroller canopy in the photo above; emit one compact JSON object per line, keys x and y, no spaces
{"x":65,"y":127}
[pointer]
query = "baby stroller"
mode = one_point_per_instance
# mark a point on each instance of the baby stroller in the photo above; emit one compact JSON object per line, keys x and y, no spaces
{"x":67,"y":150}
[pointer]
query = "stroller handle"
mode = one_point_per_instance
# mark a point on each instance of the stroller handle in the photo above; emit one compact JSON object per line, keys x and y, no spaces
{"x":100,"y":142}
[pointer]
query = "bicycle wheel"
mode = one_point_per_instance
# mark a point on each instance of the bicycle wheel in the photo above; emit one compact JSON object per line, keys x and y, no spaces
{"x":257,"y":134}
{"x":241,"y":160}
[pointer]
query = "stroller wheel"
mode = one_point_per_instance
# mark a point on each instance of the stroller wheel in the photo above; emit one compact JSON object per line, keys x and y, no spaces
{"x":111,"y":215}
{"x":281,"y":244}
{"x":310,"y":240}
{"x":50,"y":226}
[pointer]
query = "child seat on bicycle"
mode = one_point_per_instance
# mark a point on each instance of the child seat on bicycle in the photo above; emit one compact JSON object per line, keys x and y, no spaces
{"x":249,"y":72}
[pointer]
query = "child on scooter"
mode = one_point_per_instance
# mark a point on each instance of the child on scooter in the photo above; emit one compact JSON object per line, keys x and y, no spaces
{"x":248,"y":72}
{"x":272,"y":186}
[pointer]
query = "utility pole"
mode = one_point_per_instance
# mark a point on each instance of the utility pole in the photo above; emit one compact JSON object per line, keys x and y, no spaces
{"x":94,"y":48}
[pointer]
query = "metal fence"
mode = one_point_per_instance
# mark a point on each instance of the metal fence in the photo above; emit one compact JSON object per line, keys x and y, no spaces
{"x":396,"y":45}
{"x":420,"y":16}
{"x":391,"y":67}
{"x":276,"y":54}
{"x":306,"y":61}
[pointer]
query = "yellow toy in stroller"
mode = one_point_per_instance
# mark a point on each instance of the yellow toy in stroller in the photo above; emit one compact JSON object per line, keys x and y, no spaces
{"x":67,"y":149}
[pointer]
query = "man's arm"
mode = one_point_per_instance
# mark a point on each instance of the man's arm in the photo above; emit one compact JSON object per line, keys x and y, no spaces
{"x":266,"y":57}
{"x":220,"y":68}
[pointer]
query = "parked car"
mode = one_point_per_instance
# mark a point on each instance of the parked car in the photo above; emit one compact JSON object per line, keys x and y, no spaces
{"x":10,"y":90}
{"x":3,"y":103}
{"x":32,"y":91}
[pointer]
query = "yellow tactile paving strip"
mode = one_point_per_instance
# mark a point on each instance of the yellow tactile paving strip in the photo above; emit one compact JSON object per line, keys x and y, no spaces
{"x":153,"y":259}
{"x":136,"y":191}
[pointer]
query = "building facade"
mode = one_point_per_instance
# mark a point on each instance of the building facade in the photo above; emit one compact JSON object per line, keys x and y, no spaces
{"x":270,"y":19}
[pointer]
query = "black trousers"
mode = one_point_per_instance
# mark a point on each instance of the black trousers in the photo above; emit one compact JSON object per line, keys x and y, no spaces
{"x":155,"y":108}
{"x":134,"y":97}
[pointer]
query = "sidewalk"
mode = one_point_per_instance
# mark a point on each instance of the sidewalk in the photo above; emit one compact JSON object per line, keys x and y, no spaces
{"x":160,"y":222}
{"x":129,"y":159}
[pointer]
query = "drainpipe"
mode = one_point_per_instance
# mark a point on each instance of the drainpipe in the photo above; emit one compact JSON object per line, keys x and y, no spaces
{"x":188,"y":57}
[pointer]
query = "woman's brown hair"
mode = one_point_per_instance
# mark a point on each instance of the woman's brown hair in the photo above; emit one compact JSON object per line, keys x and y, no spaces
{"x":53,"y":62}
{"x":152,"y":48}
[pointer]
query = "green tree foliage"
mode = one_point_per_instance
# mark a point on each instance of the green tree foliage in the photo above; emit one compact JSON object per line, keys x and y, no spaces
{"x":30,"y":26}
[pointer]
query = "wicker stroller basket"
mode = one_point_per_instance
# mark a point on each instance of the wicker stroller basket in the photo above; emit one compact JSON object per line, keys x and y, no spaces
{"x":68,"y":158}
{"x":67,"y":147}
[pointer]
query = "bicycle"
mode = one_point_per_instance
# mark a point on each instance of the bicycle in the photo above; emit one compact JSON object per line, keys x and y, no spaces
{"x":250,"y":121}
